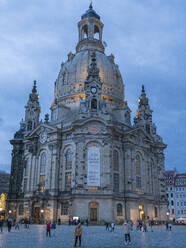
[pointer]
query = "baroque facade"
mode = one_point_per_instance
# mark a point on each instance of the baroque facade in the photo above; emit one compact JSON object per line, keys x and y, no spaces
{"x":88,"y":160}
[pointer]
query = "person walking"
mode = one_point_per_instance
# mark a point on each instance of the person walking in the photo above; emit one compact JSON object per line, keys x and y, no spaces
{"x":54,"y":228}
{"x":48,"y":229}
{"x":170,"y":227}
{"x":9,"y":224}
{"x":78,"y":234}
{"x":17,"y":225}
{"x":112,"y":226}
{"x":1,"y":225}
{"x":87,"y":221}
{"x":126,"y":230}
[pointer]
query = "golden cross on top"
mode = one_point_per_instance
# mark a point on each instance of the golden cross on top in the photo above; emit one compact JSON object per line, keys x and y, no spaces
{"x":90,"y":3}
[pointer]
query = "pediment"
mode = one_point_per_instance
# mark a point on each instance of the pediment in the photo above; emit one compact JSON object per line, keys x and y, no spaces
{"x":42,"y":128}
{"x":92,"y":126}
{"x":139,"y":135}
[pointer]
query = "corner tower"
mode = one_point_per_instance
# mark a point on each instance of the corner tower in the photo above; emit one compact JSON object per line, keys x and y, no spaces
{"x":32,"y":110}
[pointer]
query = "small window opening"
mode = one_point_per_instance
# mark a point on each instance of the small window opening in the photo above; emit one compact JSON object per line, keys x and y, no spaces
{"x":94,"y":104}
{"x":96,"y":33}
{"x":85,"y":32}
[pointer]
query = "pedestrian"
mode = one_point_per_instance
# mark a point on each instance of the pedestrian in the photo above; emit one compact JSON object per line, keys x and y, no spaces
{"x":126,"y":230}
{"x":144,"y":227}
{"x":170,"y":227}
{"x":48,"y":229}
{"x":53,"y":228}
{"x":107,"y":226}
{"x":17,"y":225}
{"x":1,"y":225}
{"x":9,"y":224}
{"x":150,"y":225}
{"x":78,"y":234}
{"x":112,"y":226}
{"x":137,"y":225}
{"x":167,"y":226}
{"x":87,"y":221}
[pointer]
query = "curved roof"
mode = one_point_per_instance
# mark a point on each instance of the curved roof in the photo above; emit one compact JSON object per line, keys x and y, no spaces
{"x":90,"y":13}
{"x":74,"y":72}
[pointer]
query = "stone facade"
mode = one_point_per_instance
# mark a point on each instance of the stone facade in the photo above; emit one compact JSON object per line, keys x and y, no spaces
{"x":88,"y":160}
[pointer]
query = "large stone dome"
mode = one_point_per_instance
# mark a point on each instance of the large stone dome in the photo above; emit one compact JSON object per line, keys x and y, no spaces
{"x":70,"y":84}
{"x":74,"y":72}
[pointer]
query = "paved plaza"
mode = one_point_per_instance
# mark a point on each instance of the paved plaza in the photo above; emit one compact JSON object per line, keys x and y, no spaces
{"x":93,"y":237}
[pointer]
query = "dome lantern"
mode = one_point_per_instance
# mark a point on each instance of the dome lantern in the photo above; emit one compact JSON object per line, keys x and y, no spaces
{"x":90,"y":31}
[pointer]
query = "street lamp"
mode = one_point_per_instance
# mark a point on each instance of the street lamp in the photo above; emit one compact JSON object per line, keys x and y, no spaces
{"x":168,"y":213}
{"x":42,"y":211}
{"x":10,"y":211}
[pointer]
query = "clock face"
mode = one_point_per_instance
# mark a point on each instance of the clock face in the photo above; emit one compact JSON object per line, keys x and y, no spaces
{"x":93,"y":90}
{"x":43,"y":137}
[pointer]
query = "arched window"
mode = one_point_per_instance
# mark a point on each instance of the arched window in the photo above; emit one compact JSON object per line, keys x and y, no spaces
{"x":94,"y":104}
{"x":26,"y":168}
{"x":155,"y":212}
{"x":116,"y":160}
{"x":119,"y":209}
{"x":96,"y":33}
{"x":43,"y":163}
{"x":68,"y":158}
{"x":84,"y":32}
{"x":29,"y":126}
{"x":116,"y":170}
{"x":68,"y":169}
{"x":21,"y":209}
{"x":138,"y":172}
{"x":64,"y":208}
{"x":42,"y":172}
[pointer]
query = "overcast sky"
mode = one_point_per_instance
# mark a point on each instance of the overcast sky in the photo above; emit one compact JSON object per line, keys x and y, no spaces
{"x":147,"y":37}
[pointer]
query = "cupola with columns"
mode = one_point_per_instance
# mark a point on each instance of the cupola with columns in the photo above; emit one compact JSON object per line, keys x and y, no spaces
{"x":90,"y":31}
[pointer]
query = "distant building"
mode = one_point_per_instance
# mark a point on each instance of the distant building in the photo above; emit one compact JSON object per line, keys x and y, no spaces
{"x":4,"y":187}
{"x":169,"y":181}
{"x":180,"y":196}
{"x":176,"y":193}
{"x":4,"y":182}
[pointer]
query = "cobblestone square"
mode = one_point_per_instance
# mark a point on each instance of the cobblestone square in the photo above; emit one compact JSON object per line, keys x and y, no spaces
{"x":93,"y":237}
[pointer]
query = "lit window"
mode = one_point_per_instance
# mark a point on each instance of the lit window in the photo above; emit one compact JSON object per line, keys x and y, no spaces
{"x":68,"y":176}
{"x":42,"y":183}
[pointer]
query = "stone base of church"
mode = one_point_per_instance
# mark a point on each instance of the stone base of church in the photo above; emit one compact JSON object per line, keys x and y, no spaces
{"x":96,"y":210}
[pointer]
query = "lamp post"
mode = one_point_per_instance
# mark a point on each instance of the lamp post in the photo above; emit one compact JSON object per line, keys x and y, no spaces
{"x":168,"y":213}
{"x":42,"y":217}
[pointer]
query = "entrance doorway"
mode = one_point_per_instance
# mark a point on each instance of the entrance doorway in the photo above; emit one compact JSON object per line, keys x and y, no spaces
{"x":93,"y":214}
{"x":93,"y":211}
{"x":36,"y":215}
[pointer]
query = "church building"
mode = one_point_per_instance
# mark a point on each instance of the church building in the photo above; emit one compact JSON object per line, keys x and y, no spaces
{"x":87,"y":159}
